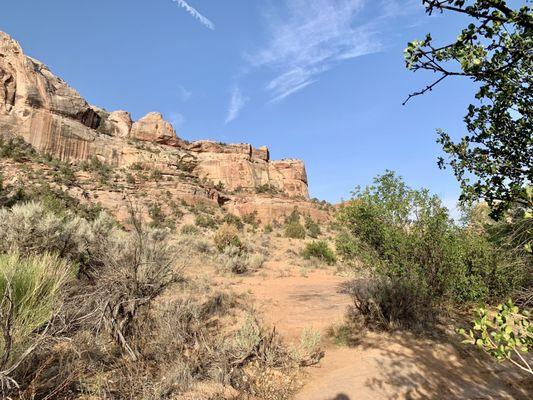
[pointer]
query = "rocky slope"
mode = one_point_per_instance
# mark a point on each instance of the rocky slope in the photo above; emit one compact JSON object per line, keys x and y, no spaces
{"x":56,"y":120}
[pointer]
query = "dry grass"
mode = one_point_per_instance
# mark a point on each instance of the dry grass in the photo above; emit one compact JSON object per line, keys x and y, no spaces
{"x":142,"y":321}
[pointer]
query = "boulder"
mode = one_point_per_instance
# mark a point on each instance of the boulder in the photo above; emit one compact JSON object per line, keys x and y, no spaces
{"x":120,"y":124}
{"x":153,"y":128}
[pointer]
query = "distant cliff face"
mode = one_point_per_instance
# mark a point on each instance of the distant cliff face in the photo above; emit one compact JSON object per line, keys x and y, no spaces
{"x":56,"y":120}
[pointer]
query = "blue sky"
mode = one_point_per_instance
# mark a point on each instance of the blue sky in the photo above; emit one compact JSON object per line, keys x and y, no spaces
{"x":321,"y":80}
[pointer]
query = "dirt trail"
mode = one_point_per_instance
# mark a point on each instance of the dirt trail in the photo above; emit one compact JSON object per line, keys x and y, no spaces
{"x":380,"y":366}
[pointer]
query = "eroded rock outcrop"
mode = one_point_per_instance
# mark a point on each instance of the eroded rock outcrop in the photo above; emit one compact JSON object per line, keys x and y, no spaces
{"x":153,"y":128}
{"x":55,"y":119}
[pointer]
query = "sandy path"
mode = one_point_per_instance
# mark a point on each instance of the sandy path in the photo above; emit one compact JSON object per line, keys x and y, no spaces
{"x":380,"y":366}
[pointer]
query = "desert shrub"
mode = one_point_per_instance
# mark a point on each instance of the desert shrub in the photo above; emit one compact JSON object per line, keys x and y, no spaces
{"x":312,"y":227}
{"x":104,"y":351}
{"x":233,"y":220}
{"x":189,"y":229}
{"x":159,"y":219}
{"x":256,"y":261}
{"x":136,"y":268}
{"x":193,"y":244}
{"x":31,"y":229}
{"x":100,"y":168}
{"x":266,"y":188}
{"x":294,"y":216}
{"x":319,"y":250}
{"x":55,"y":200}
{"x":130,"y":178}
{"x":294,"y":230}
{"x":385,"y":303}
{"x":156,"y":175}
{"x":234,"y":259}
{"x":227,"y":235}
{"x":268,"y":229}
{"x":64,"y":174}
{"x":186,"y":162}
{"x":16,"y":148}
{"x":205,"y":221}
{"x":308,"y":351}
{"x":251,"y":219}
{"x":30,"y":295}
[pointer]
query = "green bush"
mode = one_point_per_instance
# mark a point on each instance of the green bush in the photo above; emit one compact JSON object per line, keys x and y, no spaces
{"x":294,"y":230}
{"x":233,"y":220}
{"x":320,"y":250}
{"x":159,"y":218}
{"x":16,"y":148}
{"x":405,"y":234}
{"x":205,"y":221}
{"x":266,"y":188}
{"x":54,"y":200}
{"x":312,"y":227}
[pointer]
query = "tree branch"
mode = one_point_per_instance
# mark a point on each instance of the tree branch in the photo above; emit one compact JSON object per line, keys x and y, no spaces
{"x":426,"y":89}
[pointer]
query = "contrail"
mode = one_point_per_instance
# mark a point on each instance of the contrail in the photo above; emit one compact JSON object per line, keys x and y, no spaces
{"x":191,"y":10}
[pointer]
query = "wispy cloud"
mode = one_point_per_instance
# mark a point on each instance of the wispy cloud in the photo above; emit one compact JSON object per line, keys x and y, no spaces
{"x":195,"y":13}
{"x":307,"y":38}
{"x":237,"y":102}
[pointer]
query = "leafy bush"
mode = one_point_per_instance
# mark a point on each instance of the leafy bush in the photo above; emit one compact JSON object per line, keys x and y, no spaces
{"x":406,"y":233}
{"x":30,"y":294}
{"x":320,"y":250}
{"x":227,"y":235}
{"x":268,"y":229}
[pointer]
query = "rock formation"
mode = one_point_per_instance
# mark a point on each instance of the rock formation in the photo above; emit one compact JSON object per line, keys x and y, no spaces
{"x":56,"y":120}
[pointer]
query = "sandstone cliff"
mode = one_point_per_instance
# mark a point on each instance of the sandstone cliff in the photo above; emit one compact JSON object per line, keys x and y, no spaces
{"x":56,"y":120}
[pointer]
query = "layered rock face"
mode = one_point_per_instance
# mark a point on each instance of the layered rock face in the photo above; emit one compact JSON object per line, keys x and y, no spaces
{"x":56,"y":120}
